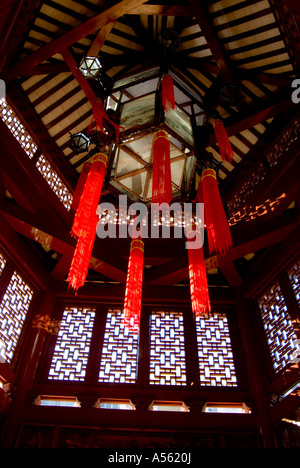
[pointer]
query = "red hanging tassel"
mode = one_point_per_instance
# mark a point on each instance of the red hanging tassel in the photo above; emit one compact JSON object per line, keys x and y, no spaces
{"x":167,"y":92}
{"x":90,"y":196}
{"x":134,"y":285}
{"x":100,"y":116}
{"x":217,"y":227}
{"x":223,"y":141}
{"x":198,"y":280}
{"x":82,"y":256}
{"x":161,"y":175}
{"x":80,"y":185}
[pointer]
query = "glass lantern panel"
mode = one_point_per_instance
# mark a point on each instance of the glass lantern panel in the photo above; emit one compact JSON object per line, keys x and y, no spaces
{"x":177,"y":168}
{"x":130,"y":80}
{"x":126,"y":164}
{"x":138,"y":112}
{"x":136,"y":183}
{"x":142,"y":147}
{"x":180,"y":123}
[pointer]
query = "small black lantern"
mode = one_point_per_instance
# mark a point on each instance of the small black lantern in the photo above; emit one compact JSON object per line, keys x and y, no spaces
{"x":79,"y":142}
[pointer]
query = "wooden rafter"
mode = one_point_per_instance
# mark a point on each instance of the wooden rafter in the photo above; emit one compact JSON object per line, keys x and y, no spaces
{"x":213,"y":42}
{"x":68,"y":39}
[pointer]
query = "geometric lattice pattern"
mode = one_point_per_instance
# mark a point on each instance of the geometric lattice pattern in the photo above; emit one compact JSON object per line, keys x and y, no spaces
{"x":2,"y":262}
{"x":119,"y":351}
{"x":54,"y":181}
{"x":294,"y":275}
{"x":215,"y":356}
{"x":13,"y":311}
{"x":167,"y":349}
{"x":20,"y":133}
{"x":281,"y":337}
{"x":70,"y":357}
{"x":17,"y":129}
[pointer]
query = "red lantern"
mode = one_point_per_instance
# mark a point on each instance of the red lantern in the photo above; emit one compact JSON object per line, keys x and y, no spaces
{"x":134,"y":285}
{"x":161,"y":175}
{"x":223,"y":141}
{"x":90,"y":196}
{"x":167,"y":91}
{"x":80,"y":185}
{"x":217,"y":227}
{"x":82,"y":256}
{"x":198,"y":279}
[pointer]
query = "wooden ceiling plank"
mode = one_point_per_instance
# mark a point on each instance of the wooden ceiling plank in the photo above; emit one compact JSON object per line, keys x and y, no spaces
{"x":68,"y":39}
{"x":212,"y":41}
{"x":163,"y":10}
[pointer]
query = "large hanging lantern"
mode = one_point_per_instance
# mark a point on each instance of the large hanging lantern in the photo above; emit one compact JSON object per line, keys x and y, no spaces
{"x":90,"y":196}
{"x":167,"y":92}
{"x":82,"y":256}
{"x":161,"y":175}
{"x":225,"y":147}
{"x":198,"y":279}
{"x":134,"y":285}
{"x":217,"y":227}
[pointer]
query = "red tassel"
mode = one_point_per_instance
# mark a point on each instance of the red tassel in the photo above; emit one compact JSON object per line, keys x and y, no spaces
{"x":161,"y":175}
{"x":90,"y":196}
{"x":198,"y":281}
{"x":82,"y":256}
{"x":167,"y":91}
{"x":217,"y":227}
{"x":223,"y":141}
{"x":134,"y":285}
{"x":80,"y":185}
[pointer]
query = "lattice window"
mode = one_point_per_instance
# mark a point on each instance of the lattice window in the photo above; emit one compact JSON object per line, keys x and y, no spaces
{"x":2,"y":262}
{"x":216,"y":362}
{"x":13,"y":310}
{"x":70,"y":357}
{"x":119,"y":352}
{"x":294,"y":275}
{"x":167,"y":350}
{"x":54,"y":181}
{"x":281,"y":337}
{"x":22,"y":136}
{"x":17,"y":129}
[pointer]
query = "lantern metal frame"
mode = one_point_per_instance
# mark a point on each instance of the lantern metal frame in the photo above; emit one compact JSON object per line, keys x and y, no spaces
{"x":90,"y":67}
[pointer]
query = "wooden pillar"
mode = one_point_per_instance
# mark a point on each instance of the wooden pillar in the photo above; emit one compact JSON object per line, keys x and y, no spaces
{"x":27,"y":366}
{"x":191,"y":350}
{"x":255,"y":367}
{"x":144,"y":348}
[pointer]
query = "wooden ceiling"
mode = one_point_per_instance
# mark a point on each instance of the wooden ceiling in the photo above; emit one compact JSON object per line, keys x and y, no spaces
{"x":235,"y":57}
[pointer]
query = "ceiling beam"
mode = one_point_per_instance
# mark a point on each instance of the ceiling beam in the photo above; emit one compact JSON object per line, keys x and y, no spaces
{"x":71,"y":37}
{"x":163,"y":10}
{"x":23,"y":257}
{"x":59,"y":240}
{"x":212,"y":41}
{"x":256,"y":238}
{"x":294,"y":4}
{"x":100,"y":40}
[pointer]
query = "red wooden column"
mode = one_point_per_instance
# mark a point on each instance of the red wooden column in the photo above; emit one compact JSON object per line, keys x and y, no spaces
{"x":39,"y":328}
{"x":255,"y":368}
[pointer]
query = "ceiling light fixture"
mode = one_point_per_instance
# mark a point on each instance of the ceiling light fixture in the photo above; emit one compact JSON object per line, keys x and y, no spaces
{"x":90,"y":67}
